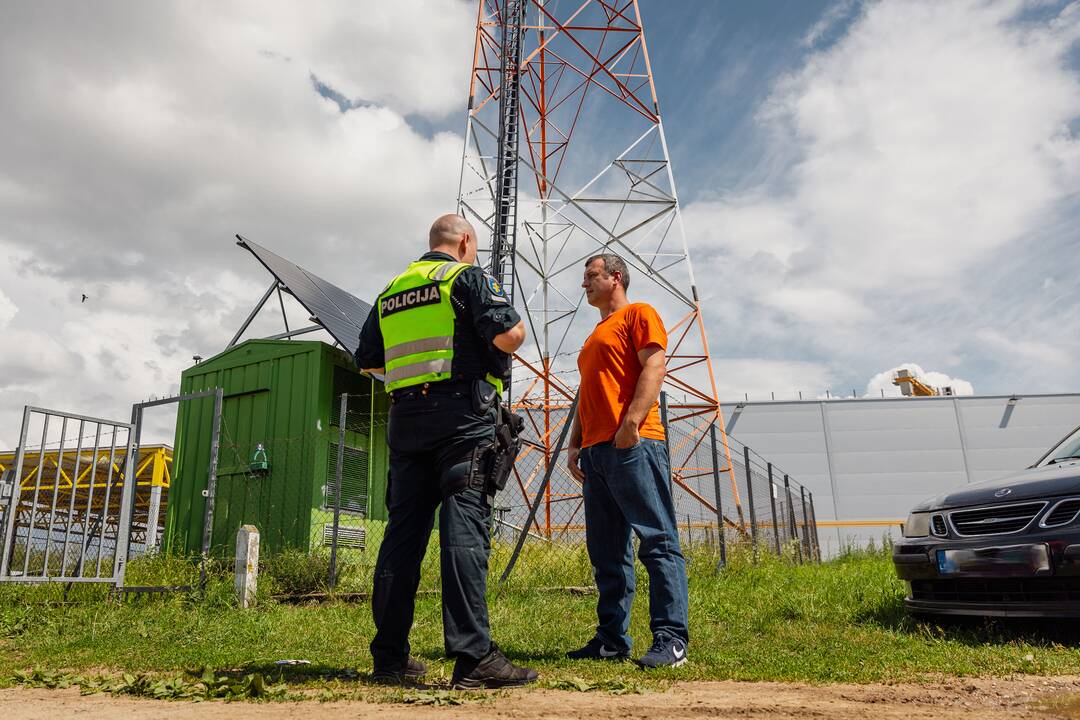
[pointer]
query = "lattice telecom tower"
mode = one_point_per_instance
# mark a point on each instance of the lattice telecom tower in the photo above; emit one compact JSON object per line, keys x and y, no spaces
{"x":562,"y":99}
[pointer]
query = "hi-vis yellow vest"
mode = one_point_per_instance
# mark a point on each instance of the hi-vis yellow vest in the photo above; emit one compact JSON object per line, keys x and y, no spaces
{"x":417,"y":323}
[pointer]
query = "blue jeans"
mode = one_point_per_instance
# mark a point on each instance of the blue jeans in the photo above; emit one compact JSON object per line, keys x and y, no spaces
{"x":630,"y":490}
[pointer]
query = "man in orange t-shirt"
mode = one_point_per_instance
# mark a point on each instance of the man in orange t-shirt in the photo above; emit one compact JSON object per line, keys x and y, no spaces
{"x":617,"y":451}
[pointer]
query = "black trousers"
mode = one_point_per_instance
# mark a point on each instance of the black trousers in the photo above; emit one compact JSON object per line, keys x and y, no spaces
{"x":431,"y":439}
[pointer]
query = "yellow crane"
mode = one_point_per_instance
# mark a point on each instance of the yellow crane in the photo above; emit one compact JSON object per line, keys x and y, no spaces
{"x":911,"y":386}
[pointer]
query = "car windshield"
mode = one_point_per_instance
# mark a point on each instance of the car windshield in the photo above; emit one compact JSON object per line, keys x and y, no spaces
{"x":1068,"y":448}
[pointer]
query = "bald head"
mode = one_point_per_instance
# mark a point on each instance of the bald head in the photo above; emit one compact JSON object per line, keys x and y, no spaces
{"x":455,"y":235}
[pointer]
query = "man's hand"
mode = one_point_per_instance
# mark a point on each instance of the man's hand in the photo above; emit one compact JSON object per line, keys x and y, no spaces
{"x":627,"y":435}
{"x":573,"y":455}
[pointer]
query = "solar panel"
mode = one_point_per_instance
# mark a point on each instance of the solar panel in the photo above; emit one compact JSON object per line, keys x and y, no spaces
{"x":341,"y":313}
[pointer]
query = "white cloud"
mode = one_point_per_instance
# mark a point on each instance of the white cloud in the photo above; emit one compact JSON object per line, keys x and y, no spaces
{"x":881,"y":385}
{"x":930,"y":163}
{"x":138,"y":140}
{"x":1025,"y":350}
{"x":759,"y":380}
{"x":7,"y":310}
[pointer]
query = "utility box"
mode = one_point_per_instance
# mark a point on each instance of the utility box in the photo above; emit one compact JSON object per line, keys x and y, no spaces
{"x":282,"y":395}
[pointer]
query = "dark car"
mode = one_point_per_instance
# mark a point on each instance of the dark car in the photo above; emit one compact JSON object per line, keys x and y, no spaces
{"x":1003,"y":547}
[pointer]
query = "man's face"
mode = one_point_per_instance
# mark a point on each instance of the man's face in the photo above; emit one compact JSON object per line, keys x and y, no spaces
{"x":598,"y":284}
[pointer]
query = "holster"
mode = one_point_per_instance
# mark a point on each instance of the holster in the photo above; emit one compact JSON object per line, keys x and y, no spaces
{"x":492,"y":462}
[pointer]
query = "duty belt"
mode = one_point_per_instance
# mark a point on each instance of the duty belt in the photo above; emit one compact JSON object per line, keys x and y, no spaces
{"x":445,"y":387}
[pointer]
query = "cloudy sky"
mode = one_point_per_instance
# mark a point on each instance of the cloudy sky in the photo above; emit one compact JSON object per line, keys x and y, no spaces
{"x":865,"y":184}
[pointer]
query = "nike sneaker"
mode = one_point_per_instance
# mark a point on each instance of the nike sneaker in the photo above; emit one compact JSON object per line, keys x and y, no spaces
{"x":665,"y":652}
{"x":595,"y":649}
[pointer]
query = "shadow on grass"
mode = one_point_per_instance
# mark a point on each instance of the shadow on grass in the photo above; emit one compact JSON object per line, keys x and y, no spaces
{"x":301,"y":675}
{"x":972,"y":631}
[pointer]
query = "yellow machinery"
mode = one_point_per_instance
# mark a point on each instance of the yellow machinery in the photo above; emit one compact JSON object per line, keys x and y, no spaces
{"x":85,"y":494}
{"x":911,"y":386}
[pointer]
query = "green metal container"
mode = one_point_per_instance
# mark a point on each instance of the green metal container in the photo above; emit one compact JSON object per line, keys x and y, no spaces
{"x":285,"y":396}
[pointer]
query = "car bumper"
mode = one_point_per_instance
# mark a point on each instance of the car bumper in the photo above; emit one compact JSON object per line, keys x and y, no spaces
{"x":1031,"y":575}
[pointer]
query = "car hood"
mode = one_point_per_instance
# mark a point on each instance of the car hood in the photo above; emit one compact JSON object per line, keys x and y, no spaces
{"x":1048,"y":481}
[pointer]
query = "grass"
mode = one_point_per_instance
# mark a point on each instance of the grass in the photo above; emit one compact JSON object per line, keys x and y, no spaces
{"x":841,"y":621}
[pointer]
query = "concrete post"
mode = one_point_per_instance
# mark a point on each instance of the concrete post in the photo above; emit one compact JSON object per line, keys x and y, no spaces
{"x":247,"y":564}
{"x":152,"y":515}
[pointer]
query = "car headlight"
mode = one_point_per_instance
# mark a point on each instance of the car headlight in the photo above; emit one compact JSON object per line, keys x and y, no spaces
{"x":917,"y":525}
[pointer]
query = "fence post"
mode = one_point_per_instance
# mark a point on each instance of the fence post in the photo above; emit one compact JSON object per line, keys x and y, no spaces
{"x":750,"y":500}
{"x":211,"y":485}
{"x":667,"y":442}
{"x":772,"y":504}
{"x":331,"y":581}
{"x":7,"y":550}
{"x":813,"y":526}
{"x":247,"y":565}
{"x":806,"y":524}
{"x":540,"y":492}
{"x":791,"y":516}
{"x":719,"y":510}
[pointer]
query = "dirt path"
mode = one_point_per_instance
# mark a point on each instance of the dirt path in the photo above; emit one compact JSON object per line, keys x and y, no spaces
{"x":985,"y":699}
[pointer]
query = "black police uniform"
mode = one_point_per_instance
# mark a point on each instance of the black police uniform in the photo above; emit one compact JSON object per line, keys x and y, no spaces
{"x":431,"y":435}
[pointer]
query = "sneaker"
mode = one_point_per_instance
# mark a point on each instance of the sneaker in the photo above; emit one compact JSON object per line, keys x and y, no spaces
{"x":493,"y":670}
{"x":595,"y":649}
{"x":665,"y":652}
{"x":396,"y":673}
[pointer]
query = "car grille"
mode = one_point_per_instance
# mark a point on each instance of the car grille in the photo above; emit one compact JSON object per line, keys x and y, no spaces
{"x":995,"y":519}
{"x":997,"y":590}
{"x":1062,"y":514}
{"x":937,"y":525}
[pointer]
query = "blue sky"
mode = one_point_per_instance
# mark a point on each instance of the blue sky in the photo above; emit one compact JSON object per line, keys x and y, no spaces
{"x":864,"y":184}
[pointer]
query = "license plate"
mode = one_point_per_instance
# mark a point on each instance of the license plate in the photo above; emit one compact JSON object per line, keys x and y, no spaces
{"x":1008,"y":561}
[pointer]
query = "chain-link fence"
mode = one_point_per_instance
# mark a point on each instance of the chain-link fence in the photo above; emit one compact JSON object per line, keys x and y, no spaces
{"x":727,"y":499}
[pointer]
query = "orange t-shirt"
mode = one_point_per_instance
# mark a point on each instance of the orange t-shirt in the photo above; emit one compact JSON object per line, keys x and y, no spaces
{"x":610,"y":369}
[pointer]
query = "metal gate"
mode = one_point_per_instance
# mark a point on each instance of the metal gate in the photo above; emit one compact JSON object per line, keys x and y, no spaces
{"x":68,"y":510}
{"x":67,"y":506}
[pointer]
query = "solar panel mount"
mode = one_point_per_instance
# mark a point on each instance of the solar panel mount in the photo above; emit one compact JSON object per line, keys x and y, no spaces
{"x":338,"y":312}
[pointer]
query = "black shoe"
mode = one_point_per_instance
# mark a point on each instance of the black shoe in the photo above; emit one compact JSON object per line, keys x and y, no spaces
{"x":396,"y":673}
{"x":595,"y":649}
{"x":493,"y":670}
{"x":665,"y":652}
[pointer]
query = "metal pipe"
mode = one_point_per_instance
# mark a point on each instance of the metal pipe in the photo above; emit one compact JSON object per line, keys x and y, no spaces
{"x":104,"y":516}
{"x":813,"y":527}
{"x":750,"y":500}
{"x":85,"y":544}
{"x":211,"y":486}
{"x":56,"y":490}
{"x":667,"y":439}
{"x":540,"y":491}
{"x":171,"y":400}
{"x":258,"y":307}
{"x":772,"y":503}
{"x":294,"y":333}
{"x":16,"y":492}
{"x":37,"y":489}
{"x":332,"y":580}
{"x":71,"y":500}
{"x":716,"y":485}
{"x":791,"y":513}
{"x":127,"y":497}
{"x":284,"y":317}
{"x":806,"y":524}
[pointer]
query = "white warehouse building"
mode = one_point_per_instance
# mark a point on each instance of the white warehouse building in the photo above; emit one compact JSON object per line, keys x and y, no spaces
{"x":868,"y":461}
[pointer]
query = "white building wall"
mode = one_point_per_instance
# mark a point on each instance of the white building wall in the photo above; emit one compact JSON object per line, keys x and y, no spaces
{"x":868,"y":461}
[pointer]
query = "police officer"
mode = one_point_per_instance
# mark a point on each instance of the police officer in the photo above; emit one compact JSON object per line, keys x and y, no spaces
{"x":441,"y":334}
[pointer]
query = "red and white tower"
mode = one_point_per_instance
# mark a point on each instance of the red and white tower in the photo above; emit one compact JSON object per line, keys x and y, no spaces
{"x":565,"y":157}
